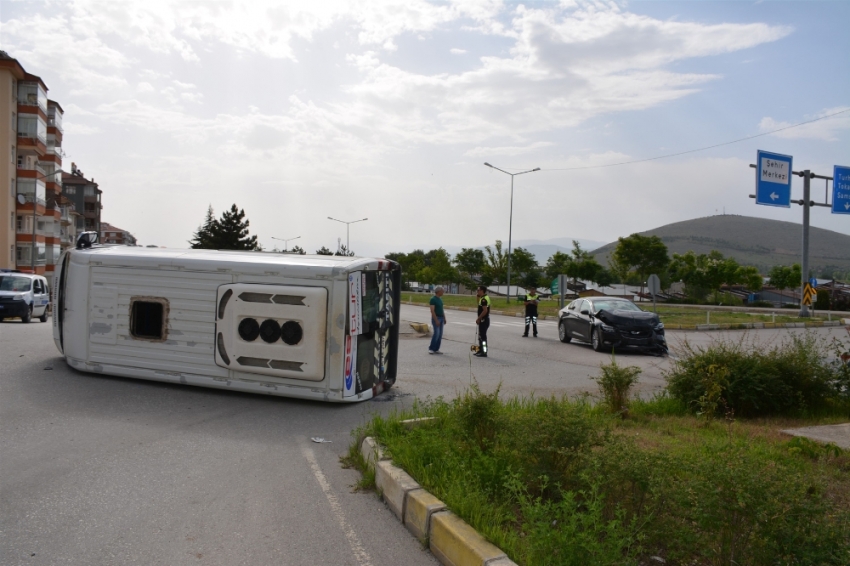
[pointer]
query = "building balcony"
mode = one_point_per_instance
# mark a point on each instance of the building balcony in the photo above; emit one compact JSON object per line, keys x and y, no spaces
{"x":54,"y":121}
{"x":28,"y":142}
{"x":31,"y":171}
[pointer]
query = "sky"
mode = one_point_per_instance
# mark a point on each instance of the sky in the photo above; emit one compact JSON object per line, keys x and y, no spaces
{"x":297,"y":111}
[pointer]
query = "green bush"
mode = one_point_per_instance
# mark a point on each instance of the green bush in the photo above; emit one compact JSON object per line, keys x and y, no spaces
{"x":794,"y":377}
{"x":615,"y":384}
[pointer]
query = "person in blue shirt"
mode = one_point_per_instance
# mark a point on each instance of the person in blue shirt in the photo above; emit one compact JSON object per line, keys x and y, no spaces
{"x":438,"y":320}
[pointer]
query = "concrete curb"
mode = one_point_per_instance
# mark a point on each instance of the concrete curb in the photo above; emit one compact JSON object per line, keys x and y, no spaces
{"x":449,"y":538}
{"x":701,"y":327}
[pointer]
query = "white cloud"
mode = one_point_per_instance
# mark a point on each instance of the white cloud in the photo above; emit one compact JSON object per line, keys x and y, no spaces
{"x":456,"y":51}
{"x":506,"y":150}
{"x":144,"y":87}
{"x":826,"y":129}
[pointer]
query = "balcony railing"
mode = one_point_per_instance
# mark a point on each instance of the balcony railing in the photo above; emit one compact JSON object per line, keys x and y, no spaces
{"x":53,"y":122}
{"x":32,"y":167}
{"x":28,"y":196}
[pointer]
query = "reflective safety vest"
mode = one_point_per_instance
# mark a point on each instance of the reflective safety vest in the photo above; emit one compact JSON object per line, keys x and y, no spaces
{"x":484,"y":302}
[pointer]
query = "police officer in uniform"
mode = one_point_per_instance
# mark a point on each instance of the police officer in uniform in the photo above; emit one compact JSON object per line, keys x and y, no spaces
{"x":531,"y":301}
{"x":483,"y":320}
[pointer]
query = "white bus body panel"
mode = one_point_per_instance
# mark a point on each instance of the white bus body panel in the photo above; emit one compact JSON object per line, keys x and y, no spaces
{"x":94,"y":329}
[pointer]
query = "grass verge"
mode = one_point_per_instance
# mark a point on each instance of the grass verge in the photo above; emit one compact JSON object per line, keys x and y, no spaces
{"x":670,"y":315}
{"x":563,"y":482}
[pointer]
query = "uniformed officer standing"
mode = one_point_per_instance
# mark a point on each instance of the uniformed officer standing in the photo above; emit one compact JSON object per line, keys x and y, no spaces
{"x":531,"y":301}
{"x":483,"y":320}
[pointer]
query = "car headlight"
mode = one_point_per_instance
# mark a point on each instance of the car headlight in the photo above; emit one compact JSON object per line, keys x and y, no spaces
{"x":607,"y":328}
{"x":18,"y":298}
{"x":659,"y":326}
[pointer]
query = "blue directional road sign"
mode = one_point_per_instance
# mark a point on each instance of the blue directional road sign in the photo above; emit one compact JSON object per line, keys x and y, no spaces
{"x":813,"y":282}
{"x":773,"y":179}
{"x":841,"y":190}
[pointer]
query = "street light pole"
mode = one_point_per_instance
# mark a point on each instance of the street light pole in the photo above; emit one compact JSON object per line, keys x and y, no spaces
{"x":285,"y":242}
{"x":511,"y":219}
{"x":347,"y":226}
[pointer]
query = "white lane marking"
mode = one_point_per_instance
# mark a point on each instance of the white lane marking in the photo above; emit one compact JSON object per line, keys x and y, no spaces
{"x":356,"y":546}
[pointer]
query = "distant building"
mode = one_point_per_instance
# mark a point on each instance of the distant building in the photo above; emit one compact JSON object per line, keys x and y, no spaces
{"x":86,"y":196}
{"x":110,"y":234}
{"x":29,"y":230}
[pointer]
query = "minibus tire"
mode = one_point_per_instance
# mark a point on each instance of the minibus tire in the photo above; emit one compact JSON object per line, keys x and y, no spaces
{"x":25,"y":318}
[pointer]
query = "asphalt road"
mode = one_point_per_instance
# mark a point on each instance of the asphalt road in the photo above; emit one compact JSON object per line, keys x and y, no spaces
{"x":100,"y":470}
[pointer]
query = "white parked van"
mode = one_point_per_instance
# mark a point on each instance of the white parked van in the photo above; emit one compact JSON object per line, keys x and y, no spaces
{"x":23,"y":295}
{"x":306,"y":326}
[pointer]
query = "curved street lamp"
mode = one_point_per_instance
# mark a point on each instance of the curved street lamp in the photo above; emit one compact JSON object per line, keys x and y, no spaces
{"x":285,"y":242}
{"x":347,"y":225}
{"x":511,"y":219}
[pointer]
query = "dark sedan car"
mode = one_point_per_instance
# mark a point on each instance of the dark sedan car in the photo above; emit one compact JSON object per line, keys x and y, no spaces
{"x":610,"y":322}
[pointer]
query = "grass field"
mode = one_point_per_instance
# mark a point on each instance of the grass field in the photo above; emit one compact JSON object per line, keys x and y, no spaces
{"x":670,"y":315}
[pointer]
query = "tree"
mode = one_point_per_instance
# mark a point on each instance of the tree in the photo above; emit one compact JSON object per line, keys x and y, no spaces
{"x":230,"y":232}
{"x":439,"y":268}
{"x":524,"y":265}
{"x":202,"y":239}
{"x":298,"y":250}
{"x":582,"y":265}
{"x":643,"y":254}
{"x":324,"y":251}
{"x":496,"y":267}
{"x":557,"y":264}
{"x":343,"y":251}
{"x":411,"y":264}
{"x":706,"y":273}
{"x":783,"y":277}
{"x":469,"y":262}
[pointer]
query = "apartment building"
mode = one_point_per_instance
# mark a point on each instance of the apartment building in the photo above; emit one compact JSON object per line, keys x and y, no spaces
{"x":86,"y":197}
{"x":31,"y":149}
{"x":110,"y":234}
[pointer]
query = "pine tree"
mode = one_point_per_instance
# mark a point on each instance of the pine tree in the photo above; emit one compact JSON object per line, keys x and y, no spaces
{"x":324,"y":251}
{"x":231,"y":231}
{"x":202,"y":239}
{"x":298,"y":250}
{"x":344,"y":251}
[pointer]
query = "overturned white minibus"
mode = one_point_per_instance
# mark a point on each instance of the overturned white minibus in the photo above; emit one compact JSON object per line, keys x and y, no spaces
{"x":305,"y":326}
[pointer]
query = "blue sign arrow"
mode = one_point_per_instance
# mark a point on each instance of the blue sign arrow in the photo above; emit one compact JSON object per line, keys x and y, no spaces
{"x":773,"y":179}
{"x":841,"y":190}
{"x":813,"y":282}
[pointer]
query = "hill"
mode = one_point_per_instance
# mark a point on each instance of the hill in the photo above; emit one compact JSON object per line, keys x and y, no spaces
{"x":752,"y":241}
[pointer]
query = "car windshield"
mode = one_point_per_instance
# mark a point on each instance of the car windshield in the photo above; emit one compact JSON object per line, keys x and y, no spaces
{"x":614,"y":306}
{"x":15,"y":284}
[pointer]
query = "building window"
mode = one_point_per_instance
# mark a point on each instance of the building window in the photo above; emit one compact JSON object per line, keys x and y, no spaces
{"x":70,"y":190}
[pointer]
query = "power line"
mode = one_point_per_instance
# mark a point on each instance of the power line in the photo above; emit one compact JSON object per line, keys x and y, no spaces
{"x":699,"y":149}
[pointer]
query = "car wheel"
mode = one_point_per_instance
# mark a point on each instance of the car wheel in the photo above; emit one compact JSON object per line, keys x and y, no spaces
{"x":596,"y":340}
{"x":43,"y":317}
{"x":562,"y":333}
{"x":27,"y":317}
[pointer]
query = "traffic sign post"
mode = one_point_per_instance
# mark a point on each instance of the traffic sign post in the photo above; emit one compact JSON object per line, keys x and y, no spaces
{"x":841,"y":190}
{"x":653,"y":283}
{"x":772,"y":170}
{"x":773,"y":179}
